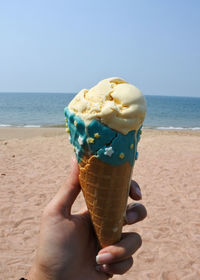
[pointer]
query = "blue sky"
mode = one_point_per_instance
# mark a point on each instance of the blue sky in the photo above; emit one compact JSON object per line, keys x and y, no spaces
{"x":64,"y":46}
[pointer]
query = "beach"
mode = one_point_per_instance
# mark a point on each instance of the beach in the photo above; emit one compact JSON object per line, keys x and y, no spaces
{"x":34,"y":164}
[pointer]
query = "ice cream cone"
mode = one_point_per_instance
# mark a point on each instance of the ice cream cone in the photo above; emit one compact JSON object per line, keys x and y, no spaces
{"x":105,"y":125}
{"x":105,"y":189}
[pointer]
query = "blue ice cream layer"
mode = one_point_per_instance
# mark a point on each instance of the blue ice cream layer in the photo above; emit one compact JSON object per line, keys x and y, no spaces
{"x":97,"y":139}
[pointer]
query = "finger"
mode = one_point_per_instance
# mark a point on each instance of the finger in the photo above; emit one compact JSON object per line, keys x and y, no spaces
{"x":135,"y":192}
{"x":135,"y":212}
{"x":122,"y":250}
{"x":64,"y":199}
{"x":116,"y":268}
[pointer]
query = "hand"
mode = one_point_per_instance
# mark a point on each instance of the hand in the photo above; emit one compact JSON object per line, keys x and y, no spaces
{"x":68,"y":247}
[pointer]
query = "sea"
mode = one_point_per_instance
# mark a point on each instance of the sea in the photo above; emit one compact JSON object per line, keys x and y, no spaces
{"x":47,"y":110}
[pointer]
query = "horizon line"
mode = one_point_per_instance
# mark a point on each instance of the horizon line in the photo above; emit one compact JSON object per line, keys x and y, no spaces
{"x":62,"y":92}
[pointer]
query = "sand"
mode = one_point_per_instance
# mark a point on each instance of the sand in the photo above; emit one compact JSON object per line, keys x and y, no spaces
{"x":34,"y":163}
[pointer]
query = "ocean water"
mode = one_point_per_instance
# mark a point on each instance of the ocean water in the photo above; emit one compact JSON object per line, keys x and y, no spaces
{"x":47,"y":109}
{"x":169,"y":112}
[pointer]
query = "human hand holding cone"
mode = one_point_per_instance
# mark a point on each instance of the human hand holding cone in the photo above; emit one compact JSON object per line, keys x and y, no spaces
{"x":105,"y":126}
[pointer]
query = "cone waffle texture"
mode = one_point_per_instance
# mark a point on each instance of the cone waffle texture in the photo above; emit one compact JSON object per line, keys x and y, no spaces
{"x":105,"y":188}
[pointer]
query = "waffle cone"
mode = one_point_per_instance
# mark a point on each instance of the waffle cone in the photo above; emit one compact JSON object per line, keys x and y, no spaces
{"x":105,"y":188}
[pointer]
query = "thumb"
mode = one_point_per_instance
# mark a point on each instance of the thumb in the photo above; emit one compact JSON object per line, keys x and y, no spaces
{"x":65,"y":197}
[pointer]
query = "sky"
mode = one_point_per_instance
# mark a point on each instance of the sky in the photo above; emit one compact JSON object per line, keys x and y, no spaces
{"x":64,"y":46}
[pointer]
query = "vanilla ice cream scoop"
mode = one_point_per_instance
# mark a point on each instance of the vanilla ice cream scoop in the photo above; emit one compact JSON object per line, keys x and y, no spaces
{"x":114,"y":102}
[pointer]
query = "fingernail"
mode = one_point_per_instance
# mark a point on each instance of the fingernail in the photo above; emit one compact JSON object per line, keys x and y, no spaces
{"x":131,"y":217}
{"x":138,"y":192}
{"x":104,"y":258}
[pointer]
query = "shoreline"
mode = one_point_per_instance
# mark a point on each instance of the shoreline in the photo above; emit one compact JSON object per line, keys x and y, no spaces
{"x":7,"y":133}
{"x":195,"y":128}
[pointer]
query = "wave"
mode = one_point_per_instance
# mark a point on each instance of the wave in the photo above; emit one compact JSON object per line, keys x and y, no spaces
{"x":32,"y":125}
{"x":25,"y":125}
{"x":196,"y":128}
{"x":5,"y":125}
{"x":172,"y":128}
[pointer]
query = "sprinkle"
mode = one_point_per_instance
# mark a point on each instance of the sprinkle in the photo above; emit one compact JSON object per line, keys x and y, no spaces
{"x":131,"y":146}
{"x":122,"y":155}
{"x":67,"y":130}
{"x":115,"y":229}
{"x":108,"y":151}
{"x":80,"y":140}
{"x":90,"y":140}
{"x":96,"y":135}
{"x":76,"y":150}
{"x":75,"y":123}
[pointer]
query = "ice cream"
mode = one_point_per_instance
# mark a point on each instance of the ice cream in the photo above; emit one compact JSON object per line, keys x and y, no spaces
{"x":105,"y":126}
{"x":114,"y":102}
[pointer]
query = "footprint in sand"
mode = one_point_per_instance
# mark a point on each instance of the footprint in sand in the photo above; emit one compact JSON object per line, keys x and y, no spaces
{"x":17,"y":223}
